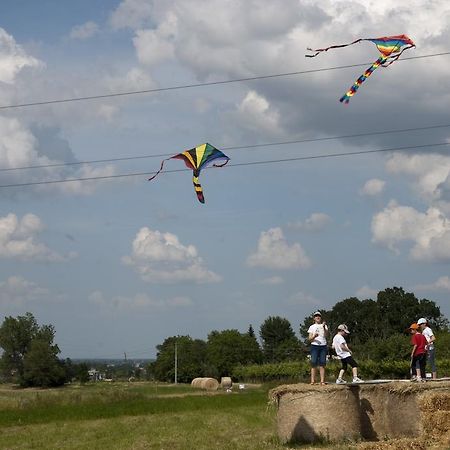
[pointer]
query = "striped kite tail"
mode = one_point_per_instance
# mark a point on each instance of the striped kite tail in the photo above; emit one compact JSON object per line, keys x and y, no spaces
{"x":198,"y":189}
{"x":352,"y":91}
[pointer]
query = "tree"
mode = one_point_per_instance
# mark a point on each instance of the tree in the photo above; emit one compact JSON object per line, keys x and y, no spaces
{"x":279,"y":342}
{"x":191,"y":359}
{"x":29,"y":355}
{"x":229,"y":348}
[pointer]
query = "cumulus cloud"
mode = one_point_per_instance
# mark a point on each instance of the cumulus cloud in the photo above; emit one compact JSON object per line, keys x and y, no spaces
{"x":140,"y":302}
{"x":131,"y":14}
{"x":272,"y":281}
{"x":13,"y":58}
{"x":366,"y":292}
{"x":19,"y":239}
{"x":315,"y":222}
{"x":162,"y":258}
{"x":302,"y":298}
{"x":429,"y":232}
{"x":17,"y":291}
{"x":84,"y":31}
{"x":441,"y":284}
{"x":273,"y":252}
{"x":373,"y":187}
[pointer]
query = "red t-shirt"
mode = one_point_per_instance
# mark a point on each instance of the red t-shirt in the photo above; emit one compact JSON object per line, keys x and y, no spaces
{"x":421,"y":341}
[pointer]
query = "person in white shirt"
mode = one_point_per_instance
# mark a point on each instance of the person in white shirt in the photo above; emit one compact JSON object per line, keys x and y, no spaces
{"x":317,"y":335}
{"x":430,"y":337}
{"x":345,"y":355}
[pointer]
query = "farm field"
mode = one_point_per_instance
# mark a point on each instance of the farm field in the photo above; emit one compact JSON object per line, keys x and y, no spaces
{"x":143,"y":415}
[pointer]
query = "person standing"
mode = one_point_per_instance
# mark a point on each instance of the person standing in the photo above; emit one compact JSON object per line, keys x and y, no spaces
{"x":317,"y":335}
{"x":430,"y":337}
{"x":418,"y":353}
{"x":345,"y":355}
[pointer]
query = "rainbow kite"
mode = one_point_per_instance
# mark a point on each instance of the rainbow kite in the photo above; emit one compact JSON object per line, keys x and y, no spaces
{"x":390,"y":47}
{"x":197,"y":159}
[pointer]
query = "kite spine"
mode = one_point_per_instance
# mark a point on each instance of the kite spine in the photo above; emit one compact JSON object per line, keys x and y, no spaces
{"x":352,"y":91}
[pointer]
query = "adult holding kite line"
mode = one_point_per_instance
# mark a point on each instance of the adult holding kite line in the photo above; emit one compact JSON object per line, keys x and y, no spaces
{"x":317,"y":335}
{"x":430,"y":337}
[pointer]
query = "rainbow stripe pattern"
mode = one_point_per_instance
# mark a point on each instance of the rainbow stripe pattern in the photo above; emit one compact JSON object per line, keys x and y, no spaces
{"x":390,"y":47}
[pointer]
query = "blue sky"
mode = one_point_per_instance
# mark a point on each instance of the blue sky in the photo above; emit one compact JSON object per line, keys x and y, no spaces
{"x":119,"y":265}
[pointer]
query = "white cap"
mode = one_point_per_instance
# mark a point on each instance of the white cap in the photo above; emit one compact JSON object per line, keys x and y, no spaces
{"x":317,"y":313}
{"x":421,"y":321}
{"x":343,"y":327}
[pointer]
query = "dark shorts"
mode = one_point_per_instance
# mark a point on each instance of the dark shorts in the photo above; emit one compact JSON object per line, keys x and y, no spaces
{"x":319,"y":355}
{"x":348,"y":361}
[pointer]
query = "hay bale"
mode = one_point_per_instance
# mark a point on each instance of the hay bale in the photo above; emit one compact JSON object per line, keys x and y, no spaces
{"x":210,"y":384}
{"x":195,"y":383}
{"x":226,"y":383}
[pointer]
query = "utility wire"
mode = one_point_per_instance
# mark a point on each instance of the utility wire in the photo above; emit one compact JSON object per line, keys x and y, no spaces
{"x":210,"y":83}
{"x":243,"y":147}
{"x":250,"y":163}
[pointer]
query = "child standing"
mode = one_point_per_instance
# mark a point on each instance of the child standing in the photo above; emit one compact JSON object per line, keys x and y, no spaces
{"x":345,"y":355}
{"x":419,"y":352}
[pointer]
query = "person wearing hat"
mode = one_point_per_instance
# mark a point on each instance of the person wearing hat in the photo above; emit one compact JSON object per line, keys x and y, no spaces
{"x":345,"y":355}
{"x":429,"y":336}
{"x":317,"y":335}
{"x":418,"y":353}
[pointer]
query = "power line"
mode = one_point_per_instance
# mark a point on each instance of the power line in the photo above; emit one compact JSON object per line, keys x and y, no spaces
{"x":243,"y":147}
{"x":250,"y":163}
{"x":210,"y":83}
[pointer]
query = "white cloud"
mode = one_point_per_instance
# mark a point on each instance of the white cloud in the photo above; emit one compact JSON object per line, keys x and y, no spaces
{"x":131,"y":14}
{"x":255,"y":113}
{"x":84,"y":31}
{"x":365,"y":292}
{"x":302,"y":298}
{"x":19,"y":239}
{"x":373,"y":187}
{"x":428,"y":170}
{"x":274,"y":252}
{"x":13,"y":58}
{"x":441,"y":284}
{"x":429,"y":231}
{"x":17,"y":291}
{"x":161,"y":258}
{"x":140,"y":302}
{"x":315,"y":222}
{"x":272,"y":281}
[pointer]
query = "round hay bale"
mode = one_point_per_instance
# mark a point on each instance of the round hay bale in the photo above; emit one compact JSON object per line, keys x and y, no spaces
{"x":210,"y":384}
{"x":195,"y":382}
{"x":226,"y":383}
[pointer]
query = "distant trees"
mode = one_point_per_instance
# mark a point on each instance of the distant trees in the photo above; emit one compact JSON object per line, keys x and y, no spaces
{"x":279,"y":342}
{"x":29,"y":354}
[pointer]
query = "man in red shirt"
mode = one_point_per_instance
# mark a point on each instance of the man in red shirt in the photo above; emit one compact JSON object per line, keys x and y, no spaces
{"x":419,"y":352}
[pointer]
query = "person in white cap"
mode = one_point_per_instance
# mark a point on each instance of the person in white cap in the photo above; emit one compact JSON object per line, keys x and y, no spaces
{"x":317,"y":335}
{"x":345,"y":355}
{"x":430,"y":337}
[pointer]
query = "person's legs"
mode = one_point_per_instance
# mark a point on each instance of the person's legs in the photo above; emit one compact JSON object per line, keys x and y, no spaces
{"x":422,"y":365}
{"x":322,"y":362}
{"x":314,"y":362}
{"x":431,"y":356}
{"x":416,"y":366}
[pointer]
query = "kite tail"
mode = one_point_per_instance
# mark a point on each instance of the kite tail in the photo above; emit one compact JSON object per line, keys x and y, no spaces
{"x":352,"y":91}
{"x":198,"y":189}
{"x":160,"y":169}
{"x":320,"y":50}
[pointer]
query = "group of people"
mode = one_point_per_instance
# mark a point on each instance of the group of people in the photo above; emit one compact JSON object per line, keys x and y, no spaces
{"x":422,"y":339}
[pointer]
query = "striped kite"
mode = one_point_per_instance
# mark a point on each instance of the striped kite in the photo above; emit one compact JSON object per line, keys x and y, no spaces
{"x":390,"y":47}
{"x":197,"y":159}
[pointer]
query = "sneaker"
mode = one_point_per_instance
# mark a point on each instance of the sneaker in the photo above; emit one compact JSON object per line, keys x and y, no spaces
{"x":414,"y":378}
{"x":340,"y":381}
{"x":357,"y":380}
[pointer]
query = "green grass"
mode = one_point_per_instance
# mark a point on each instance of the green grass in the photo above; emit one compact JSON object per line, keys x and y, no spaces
{"x":137,"y":416}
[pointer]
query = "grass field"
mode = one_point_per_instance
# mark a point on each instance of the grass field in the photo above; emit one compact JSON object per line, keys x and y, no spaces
{"x":135,"y":416}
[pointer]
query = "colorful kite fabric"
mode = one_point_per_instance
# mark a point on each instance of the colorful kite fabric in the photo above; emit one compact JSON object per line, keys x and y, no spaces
{"x":197,"y":159}
{"x":390,"y":47}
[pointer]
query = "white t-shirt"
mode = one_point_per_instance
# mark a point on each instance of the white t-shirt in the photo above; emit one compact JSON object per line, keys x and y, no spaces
{"x":338,"y":340}
{"x":318,"y":328}
{"x":428,"y":333}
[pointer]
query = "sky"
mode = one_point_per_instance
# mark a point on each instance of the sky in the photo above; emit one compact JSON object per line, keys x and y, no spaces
{"x":119,"y":264}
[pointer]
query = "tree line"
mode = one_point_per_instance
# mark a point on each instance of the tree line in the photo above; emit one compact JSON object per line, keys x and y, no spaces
{"x":30,"y":356}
